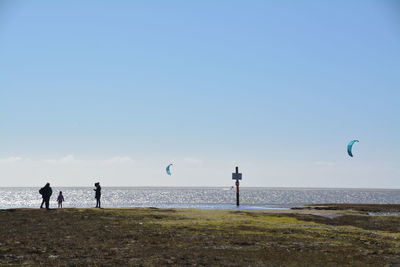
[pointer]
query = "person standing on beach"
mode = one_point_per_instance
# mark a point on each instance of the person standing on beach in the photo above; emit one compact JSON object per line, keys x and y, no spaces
{"x":60,"y":199}
{"x":46,"y":193}
{"x":41,"y":192}
{"x":97,"y":194}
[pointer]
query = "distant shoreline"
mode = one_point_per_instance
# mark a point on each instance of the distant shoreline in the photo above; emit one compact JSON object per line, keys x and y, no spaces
{"x":322,"y":208}
{"x":197,"y":187}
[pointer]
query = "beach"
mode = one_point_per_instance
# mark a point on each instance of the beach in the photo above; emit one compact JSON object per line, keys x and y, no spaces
{"x":329,"y":235}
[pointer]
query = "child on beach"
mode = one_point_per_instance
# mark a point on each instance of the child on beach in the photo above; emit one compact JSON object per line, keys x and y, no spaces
{"x":60,"y":199}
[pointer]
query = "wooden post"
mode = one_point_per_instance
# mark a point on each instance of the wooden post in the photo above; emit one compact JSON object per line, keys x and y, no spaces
{"x":237,"y":176}
{"x":237,"y":188}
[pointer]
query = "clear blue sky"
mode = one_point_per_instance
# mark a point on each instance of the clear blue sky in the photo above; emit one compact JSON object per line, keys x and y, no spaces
{"x":278,"y":88}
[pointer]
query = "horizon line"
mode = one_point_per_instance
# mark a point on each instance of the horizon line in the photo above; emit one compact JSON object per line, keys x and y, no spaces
{"x":272,"y":187}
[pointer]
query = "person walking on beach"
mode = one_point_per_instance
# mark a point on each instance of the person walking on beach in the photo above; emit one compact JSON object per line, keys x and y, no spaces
{"x":60,"y":199}
{"x":97,"y":194}
{"x":41,"y":192}
{"x":46,"y":193}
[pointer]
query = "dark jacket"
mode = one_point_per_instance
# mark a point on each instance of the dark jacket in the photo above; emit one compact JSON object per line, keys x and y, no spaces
{"x":98,"y":192}
{"x":46,"y":192}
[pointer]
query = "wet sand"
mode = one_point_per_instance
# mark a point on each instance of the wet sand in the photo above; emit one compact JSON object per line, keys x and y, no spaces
{"x":354,"y":207}
{"x":315,"y":235}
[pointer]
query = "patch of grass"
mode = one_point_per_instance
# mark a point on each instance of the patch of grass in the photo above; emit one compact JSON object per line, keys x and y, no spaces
{"x":148,"y":237}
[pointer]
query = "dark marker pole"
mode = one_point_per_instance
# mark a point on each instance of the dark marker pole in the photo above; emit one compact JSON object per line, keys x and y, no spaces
{"x":237,"y":188}
{"x":237,"y":176}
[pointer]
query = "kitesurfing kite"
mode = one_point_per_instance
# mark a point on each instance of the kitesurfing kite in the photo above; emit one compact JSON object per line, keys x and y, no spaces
{"x":168,"y":169}
{"x":350,"y":147}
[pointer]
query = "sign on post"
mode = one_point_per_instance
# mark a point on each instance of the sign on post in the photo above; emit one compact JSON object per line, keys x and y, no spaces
{"x":236,"y":176}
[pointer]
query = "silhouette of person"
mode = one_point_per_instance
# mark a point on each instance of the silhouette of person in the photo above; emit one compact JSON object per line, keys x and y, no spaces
{"x":60,"y":199}
{"x":46,"y":193}
{"x":41,"y":192}
{"x":97,"y":194}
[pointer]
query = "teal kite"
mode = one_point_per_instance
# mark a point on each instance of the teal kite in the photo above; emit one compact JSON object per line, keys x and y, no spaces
{"x":168,"y":169}
{"x":350,"y":147}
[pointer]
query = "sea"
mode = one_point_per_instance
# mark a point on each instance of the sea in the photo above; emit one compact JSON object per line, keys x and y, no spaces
{"x":196,"y":197}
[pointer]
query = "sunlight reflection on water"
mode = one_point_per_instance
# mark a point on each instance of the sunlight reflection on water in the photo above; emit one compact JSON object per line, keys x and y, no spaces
{"x":202,"y":198}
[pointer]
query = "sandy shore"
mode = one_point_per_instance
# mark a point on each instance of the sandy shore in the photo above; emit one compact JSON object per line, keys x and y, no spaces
{"x":317,"y":235}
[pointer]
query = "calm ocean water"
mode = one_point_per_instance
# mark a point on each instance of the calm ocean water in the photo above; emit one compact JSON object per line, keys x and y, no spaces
{"x":203,"y":198}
